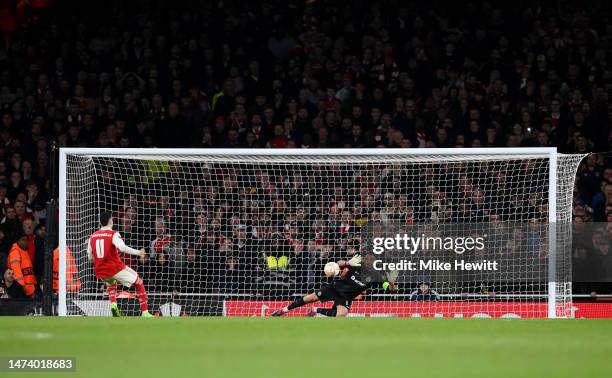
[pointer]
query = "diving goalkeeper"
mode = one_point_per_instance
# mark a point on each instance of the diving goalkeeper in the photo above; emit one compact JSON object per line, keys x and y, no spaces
{"x":341,"y":291}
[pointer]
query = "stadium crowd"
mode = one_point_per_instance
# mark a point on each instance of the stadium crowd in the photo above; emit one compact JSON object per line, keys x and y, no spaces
{"x":278,"y":74}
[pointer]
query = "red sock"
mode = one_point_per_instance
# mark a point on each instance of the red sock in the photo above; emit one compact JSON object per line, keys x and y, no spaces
{"x":112,"y":293}
{"x":141,"y":294}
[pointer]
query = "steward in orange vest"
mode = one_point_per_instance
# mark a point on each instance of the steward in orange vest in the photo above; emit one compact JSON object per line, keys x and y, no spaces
{"x":19,"y":261}
{"x":72,"y":278}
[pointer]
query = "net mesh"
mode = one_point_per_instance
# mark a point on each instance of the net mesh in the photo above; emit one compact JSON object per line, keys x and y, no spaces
{"x":243,"y":234}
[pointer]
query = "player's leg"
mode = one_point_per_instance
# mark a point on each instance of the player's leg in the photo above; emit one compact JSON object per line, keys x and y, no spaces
{"x":141,"y":294}
{"x":297,"y":303}
{"x":339,"y":309}
{"x":129,"y":278}
{"x":111,"y":288}
{"x":324,"y":311}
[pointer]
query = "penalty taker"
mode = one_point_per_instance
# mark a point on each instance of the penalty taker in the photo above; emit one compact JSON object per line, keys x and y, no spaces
{"x":436,"y":265}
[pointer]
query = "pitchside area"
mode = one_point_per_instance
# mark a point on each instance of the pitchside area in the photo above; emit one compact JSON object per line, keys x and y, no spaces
{"x":314,"y":347}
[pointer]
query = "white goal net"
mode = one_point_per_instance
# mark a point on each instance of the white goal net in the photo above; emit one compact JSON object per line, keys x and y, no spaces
{"x":243,"y":232}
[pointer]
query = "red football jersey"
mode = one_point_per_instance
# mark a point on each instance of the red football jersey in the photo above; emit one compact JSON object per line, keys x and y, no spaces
{"x":105,"y":255}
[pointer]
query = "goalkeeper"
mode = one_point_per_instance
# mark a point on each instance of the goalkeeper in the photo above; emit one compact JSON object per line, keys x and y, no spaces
{"x":341,"y":291}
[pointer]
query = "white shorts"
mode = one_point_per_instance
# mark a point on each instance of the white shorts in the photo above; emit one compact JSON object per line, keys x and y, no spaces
{"x":126,"y":276}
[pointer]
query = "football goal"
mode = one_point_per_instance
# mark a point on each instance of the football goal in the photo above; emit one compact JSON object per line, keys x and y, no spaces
{"x":240,"y":232}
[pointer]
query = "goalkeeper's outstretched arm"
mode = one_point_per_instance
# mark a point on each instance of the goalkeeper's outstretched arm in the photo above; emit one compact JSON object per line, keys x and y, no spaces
{"x":355,"y":261}
{"x":391,"y":280}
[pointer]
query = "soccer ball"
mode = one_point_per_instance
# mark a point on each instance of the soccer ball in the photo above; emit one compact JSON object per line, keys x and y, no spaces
{"x":331,"y":269}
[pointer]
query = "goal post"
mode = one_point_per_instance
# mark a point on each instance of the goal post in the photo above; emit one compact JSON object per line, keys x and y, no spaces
{"x":239,"y":231}
{"x":552,"y":237}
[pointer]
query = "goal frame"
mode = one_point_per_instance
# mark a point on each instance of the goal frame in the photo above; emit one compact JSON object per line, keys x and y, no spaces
{"x":550,"y":152}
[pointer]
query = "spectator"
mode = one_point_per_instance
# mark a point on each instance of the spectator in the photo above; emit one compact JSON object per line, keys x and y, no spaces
{"x":4,"y":201}
{"x":21,"y":211}
{"x":9,"y":288}
{"x":11,"y":226}
{"x":15,"y":187}
{"x":34,"y":197}
{"x":424,"y":292}
{"x":161,"y":243}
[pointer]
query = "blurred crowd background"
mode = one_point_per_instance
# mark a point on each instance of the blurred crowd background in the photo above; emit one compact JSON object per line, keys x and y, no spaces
{"x":295,"y":73}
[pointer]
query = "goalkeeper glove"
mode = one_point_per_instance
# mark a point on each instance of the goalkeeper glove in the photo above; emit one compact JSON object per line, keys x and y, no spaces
{"x":355,"y":261}
{"x":389,"y":286}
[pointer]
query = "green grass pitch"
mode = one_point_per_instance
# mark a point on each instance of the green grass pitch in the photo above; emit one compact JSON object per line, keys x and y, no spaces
{"x":313,"y":347}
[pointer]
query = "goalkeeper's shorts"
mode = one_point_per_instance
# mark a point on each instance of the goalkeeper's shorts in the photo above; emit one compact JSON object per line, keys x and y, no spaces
{"x":127,"y":276}
{"x":329,"y":293}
